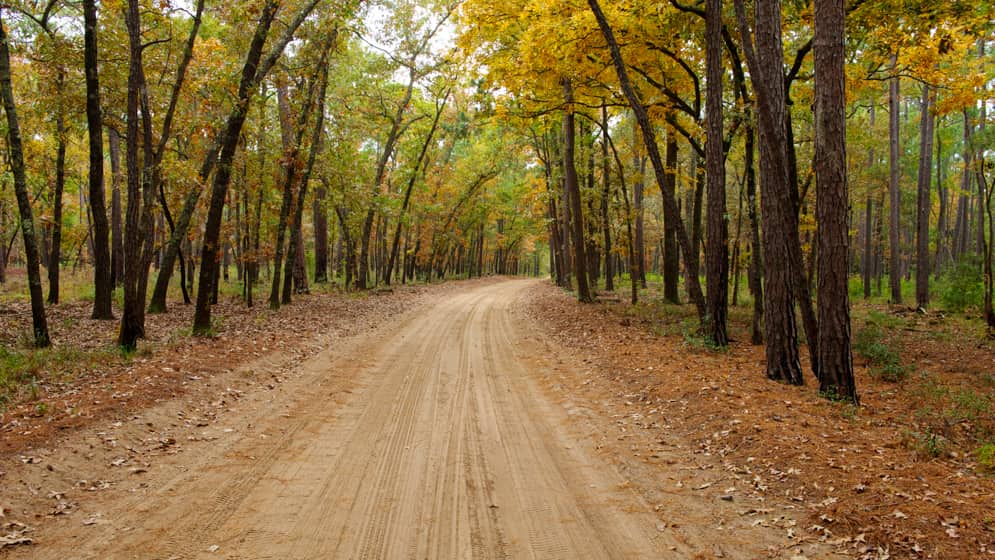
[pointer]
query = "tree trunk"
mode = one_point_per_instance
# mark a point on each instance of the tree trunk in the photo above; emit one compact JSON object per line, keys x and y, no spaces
{"x":756,"y":254}
{"x":923,"y":200}
{"x":671,"y":258}
{"x":638,"y":170}
{"x":835,"y":357}
{"x":717,"y":236}
{"x":649,"y":140}
{"x":252,"y":74}
{"x":55,"y":260}
{"x":411,"y":184}
{"x":572,"y":187}
{"x":117,"y":226}
{"x":605,"y":196}
{"x":320,"y":220}
{"x":132,"y":318}
{"x":894,"y":105}
{"x":866,"y":261}
{"x":778,"y":203}
{"x":16,"y":147}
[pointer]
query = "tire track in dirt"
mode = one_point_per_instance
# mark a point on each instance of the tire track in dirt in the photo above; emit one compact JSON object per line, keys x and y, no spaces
{"x":429,"y":439}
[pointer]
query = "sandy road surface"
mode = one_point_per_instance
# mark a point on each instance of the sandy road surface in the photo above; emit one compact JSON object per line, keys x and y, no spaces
{"x":449,"y":433}
{"x":426,"y":440}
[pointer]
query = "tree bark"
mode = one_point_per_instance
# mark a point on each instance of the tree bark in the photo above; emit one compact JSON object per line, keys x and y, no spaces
{"x":923,"y":200}
{"x":55,"y":260}
{"x":410,"y":187}
{"x":572,"y":188}
{"x":638,"y":170}
{"x":38,"y":321}
{"x":117,"y":216}
{"x":222,"y":174}
{"x":835,"y":357}
{"x":778,"y":202}
{"x":320,"y":219}
{"x":102,"y":273}
{"x":605,"y":196}
{"x":671,"y":258}
{"x":894,"y":105}
{"x":866,"y":261}
{"x":717,"y":235}
{"x":132,"y":315}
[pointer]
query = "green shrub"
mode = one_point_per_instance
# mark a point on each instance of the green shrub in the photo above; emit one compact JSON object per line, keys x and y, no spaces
{"x":962,"y":286}
{"x":884,"y":360}
{"x":986,"y":456}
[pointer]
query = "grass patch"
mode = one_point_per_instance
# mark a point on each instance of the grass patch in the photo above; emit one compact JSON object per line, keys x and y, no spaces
{"x":21,"y":370}
{"x":884,"y":360}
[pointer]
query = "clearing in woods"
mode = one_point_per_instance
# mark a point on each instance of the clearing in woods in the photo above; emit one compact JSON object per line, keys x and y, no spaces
{"x":431,"y":437}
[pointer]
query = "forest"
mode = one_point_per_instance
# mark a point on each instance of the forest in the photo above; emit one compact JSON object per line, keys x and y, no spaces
{"x":153,"y":151}
{"x":811,"y":178}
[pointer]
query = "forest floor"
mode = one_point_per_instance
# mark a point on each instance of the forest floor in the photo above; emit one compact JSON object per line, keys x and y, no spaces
{"x":489,"y":418}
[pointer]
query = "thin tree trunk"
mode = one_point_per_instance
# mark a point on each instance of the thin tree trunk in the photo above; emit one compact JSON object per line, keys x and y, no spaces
{"x":866,"y":261}
{"x":16,"y":147}
{"x":605,"y":196}
{"x":117,"y":226}
{"x":253,"y":73}
{"x":756,"y":254}
{"x":440,"y":107}
{"x":572,"y":188}
{"x":55,"y":260}
{"x":649,"y":140}
{"x":923,"y":200}
{"x":671,"y":258}
{"x":894,"y":104}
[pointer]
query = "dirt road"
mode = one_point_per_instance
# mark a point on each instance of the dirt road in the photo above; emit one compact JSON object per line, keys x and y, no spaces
{"x":429,"y":439}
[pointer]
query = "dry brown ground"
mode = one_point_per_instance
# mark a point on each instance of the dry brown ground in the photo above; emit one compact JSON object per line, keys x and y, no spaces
{"x":858,"y":478}
{"x":685,"y":425}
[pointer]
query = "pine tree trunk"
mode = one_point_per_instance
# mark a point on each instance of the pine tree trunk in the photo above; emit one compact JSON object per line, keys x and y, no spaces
{"x":835,"y":357}
{"x":895,"y":270}
{"x":717,"y":237}
{"x":923,"y":201}
{"x":778,"y":203}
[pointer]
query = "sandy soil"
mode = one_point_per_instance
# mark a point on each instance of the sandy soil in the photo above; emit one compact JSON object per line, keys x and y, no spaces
{"x":435,"y":436}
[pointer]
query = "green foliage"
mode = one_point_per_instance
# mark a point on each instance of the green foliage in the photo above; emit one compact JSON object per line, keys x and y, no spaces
{"x":20,"y":370}
{"x":927,"y":444}
{"x":986,"y":456}
{"x":962,"y":286}
{"x":967,"y":405}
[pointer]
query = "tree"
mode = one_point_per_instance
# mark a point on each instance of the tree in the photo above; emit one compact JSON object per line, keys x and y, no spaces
{"x":653,"y":151}
{"x":717,"y":234}
{"x":572,"y":188}
{"x":776,"y":198}
{"x":895,"y":269}
{"x":27,"y":224}
{"x":253,"y":72}
{"x":923,"y":201}
{"x":102,"y":283}
{"x":835,"y":357}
